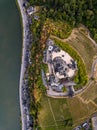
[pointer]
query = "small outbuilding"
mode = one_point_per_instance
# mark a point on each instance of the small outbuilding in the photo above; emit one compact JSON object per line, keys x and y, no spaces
{"x":36,"y":17}
{"x":31,"y":10}
{"x":50,"y":48}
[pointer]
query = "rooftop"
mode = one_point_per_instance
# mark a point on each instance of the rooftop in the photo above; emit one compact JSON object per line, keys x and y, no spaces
{"x":64,"y":65}
{"x":31,"y":10}
{"x":61,"y":68}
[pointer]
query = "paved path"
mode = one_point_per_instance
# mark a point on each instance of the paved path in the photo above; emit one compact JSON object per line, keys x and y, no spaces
{"x":54,"y":94}
{"x":23,"y":69}
{"x":94,"y":122}
{"x":95,"y":44}
{"x":93,"y":68}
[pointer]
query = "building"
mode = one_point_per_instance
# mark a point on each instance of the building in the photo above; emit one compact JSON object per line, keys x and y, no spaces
{"x":36,"y":17}
{"x":64,"y":65}
{"x":61,"y":68}
{"x":31,"y":10}
{"x":50,"y":48}
{"x":49,"y":42}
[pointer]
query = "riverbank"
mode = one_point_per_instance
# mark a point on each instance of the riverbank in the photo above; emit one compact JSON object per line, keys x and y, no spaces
{"x":23,"y":69}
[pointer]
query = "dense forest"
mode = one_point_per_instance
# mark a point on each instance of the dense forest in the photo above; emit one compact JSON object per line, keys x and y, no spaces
{"x":74,"y":12}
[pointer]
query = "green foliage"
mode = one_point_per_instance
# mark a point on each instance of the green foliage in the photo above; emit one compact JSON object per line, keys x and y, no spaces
{"x":34,"y":71}
{"x":64,"y":89}
{"x":95,"y":36}
{"x":71,"y":11}
{"x":81,"y":76}
{"x":40,"y":84}
{"x":68,"y":122}
{"x":59,"y":28}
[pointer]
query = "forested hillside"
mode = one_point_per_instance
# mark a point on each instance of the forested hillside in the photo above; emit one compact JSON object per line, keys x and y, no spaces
{"x":72,"y":11}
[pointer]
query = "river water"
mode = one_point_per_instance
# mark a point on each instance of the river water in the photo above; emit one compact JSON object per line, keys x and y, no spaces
{"x":10,"y":59}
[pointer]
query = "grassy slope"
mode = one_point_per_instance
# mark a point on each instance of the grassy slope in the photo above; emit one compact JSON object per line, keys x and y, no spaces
{"x":85,"y":48}
{"x":78,"y":108}
{"x":63,"y":109}
{"x":59,"y":28}
{"x":60,"y":112}
{"x":90,"y":93}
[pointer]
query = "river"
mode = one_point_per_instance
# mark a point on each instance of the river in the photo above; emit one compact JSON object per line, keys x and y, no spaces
{"x":10,"y":61}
